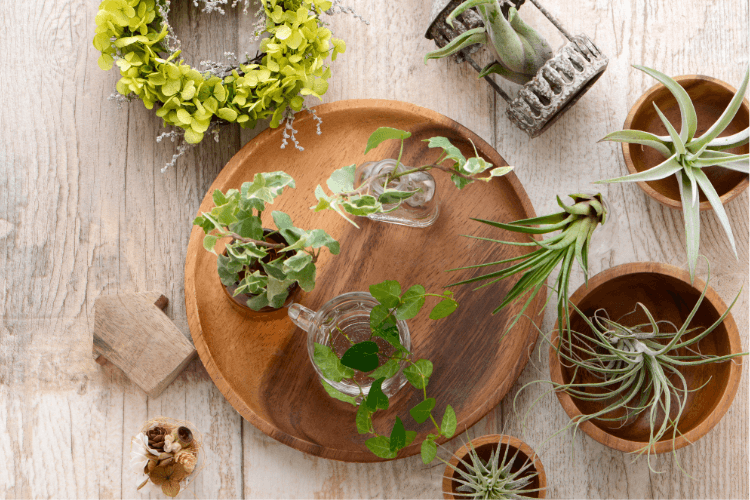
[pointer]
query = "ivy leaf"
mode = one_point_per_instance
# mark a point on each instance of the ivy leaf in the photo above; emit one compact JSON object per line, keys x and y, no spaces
{"x":318,"y":238}
{"x":258,"y":302}
{"x":364,"y":419}
{"x":361,"y":205}
{"x":418,"y":374}
{"x":448,"y":425}
{"x":429,"y":449}
{"x":410,"y":436}
{"x":474,"y":165}
{"x":387,"y":293}
{"x":248,"y":225}
{"x":204,"y":223}
{"x":387,"y":370}
{"x":228,"y":270}
{"x":275,"y":269}
{"x":411,"y":303}
{"x":380,"y":446}
{"x":383,"y":134}
{"x":460,"y":182}
{"x":336,"y":394}
{"x":329,"y":364}
{"x":277,"y":291}
{"x":342,"y":180}
{"x":297,"y":262}
{"x":219,"y":198}
{"x":390,"y":334}
{"x":209,"y":242}
{"x":443,"y":308}
{"x":452,"y":152}
{"x":394,"y":196}
{"x":421,"y":412}
{"x":324,"y":201}
{"x":362,"y":356}
{"x":378,"y":315}
{"x":376,"y":398}
{"x":305,"y":277}
{"x":398,"y":435}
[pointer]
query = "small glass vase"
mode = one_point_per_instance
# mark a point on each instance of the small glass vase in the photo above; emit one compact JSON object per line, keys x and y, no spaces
{"x":349,"y":313}
{"x":421,"y":210}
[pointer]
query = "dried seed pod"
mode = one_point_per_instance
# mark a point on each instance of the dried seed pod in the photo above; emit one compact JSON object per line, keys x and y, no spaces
{"x":185,"y":436}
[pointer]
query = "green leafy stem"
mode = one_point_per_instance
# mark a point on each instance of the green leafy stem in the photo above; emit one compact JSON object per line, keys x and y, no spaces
{"x":345,"y":199}
{"x":362,"y":357}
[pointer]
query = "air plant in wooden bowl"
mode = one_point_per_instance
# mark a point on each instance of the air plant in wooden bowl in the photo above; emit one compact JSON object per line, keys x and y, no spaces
{"x":551,"y":82}
{"x":261,"y":269}
{"x":576,"y":223}
{"x":696,"y":168}
{"x":652,"y":363}
{"x":494,"y":467}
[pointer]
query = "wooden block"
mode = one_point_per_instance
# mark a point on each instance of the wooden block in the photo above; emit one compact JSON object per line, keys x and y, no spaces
{"x":132,"y":332}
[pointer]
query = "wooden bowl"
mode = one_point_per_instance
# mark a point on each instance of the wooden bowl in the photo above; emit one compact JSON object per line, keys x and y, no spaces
{"x":261,"y":364}
{"x":484,"y":446}
{"x":667,"y":293}
{"x":710,"y":97}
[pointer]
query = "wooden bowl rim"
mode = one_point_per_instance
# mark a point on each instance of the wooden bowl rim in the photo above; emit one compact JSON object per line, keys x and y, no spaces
{"x":646,"y":99}
{"x":191,"y":300}
{"x":498,"y":439}
{"x":729,"y":391}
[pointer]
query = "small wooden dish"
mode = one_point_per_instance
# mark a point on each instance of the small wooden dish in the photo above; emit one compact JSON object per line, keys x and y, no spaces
{"x":484,"y":446}
{"x":710,"y":97}
{"x":261,"y":364}
{"x":667,"y":293}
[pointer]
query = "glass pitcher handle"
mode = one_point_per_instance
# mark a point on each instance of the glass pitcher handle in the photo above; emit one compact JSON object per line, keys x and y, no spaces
{"x":301,"y":316}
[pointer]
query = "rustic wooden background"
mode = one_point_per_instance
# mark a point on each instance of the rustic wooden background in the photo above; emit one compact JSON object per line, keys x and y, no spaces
{"x":85,"y":211}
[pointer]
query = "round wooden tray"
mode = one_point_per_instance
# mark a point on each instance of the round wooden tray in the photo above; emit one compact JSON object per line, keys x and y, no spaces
{"x":260,"y":363}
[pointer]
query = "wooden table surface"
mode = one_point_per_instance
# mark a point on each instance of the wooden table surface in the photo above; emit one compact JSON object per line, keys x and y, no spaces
{"x":85,"y":211}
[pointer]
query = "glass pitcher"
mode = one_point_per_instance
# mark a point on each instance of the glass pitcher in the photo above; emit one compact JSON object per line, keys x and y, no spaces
{"x":341,"y":321}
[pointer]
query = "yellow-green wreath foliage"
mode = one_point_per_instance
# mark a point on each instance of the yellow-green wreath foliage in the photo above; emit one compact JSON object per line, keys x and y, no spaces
{"x":293,"y":65}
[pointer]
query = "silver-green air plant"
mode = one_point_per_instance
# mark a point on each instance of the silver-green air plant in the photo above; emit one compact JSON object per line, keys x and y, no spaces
{"x":495,"y":478}
{"x":576,"y":223}
{"x":687,"y":155}
{"x":518,"y":51}
{"x":637,"y":369}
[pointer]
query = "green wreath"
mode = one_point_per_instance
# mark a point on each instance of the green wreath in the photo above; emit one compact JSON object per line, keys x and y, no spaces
{"x":134,"y":34}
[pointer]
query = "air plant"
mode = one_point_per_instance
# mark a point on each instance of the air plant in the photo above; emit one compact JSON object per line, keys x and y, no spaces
{"x":495,"y":478}
{"x":518,"y":51}
{"x":637,"y":369}
{"x":687,"y":155}
{"x":576,"y":223}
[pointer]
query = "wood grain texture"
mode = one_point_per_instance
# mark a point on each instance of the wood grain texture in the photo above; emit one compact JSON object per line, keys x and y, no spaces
{"x":667,"y":293}
{"x":261,"y":363}
{"x":85,"y":211}
{"x":133,"y":333}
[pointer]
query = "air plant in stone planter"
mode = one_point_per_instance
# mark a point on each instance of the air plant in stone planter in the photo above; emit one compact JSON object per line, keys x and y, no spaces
{"x":261,"y":269}
{"x":687,"y":156}
{"x":360,"y":346}
{"x":494,"y":467}
{"x":389,"y":191}
{"x":551,"y":84}
{"x":576,"y":223}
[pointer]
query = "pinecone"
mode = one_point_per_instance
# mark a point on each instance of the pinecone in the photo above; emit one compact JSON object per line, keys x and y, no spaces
{"x":156,"y":437}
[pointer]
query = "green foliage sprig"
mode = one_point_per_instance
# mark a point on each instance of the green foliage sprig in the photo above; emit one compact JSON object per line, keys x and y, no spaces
{"x":576,"y":223}
{"x":132,"y":34}
{"x":363,"y":357}
{"x":359,"y":201}
{"x":247,"y":263}
{"x":518,"y":50}
{"x":636,"y":370}
{"x":494,"y":478}
{"x":687,"y":156}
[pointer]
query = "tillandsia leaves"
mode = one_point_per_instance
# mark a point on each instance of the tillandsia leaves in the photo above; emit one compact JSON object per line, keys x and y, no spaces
{"x":346,"y":199}
{"x":519,"y":51}
{"x":687,"y":155}
{"x":498,"y":477}
{"x":247,"y":262}
{"x":635,"y":370}
{"x":576,"y":223}
{"x":363,"y":357}
{"x":133,"y":35}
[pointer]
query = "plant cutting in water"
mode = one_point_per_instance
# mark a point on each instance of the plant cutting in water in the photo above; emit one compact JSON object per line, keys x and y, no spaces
{"x":494,"y":478}
{"x":361,"y":361}
{"x":360,"y":201}
{"x":576,"y":223}
{"x":687,"y":156}
{"x":518,"y":51}
{"x":254,"y":262}
{"x":635,"y":369}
